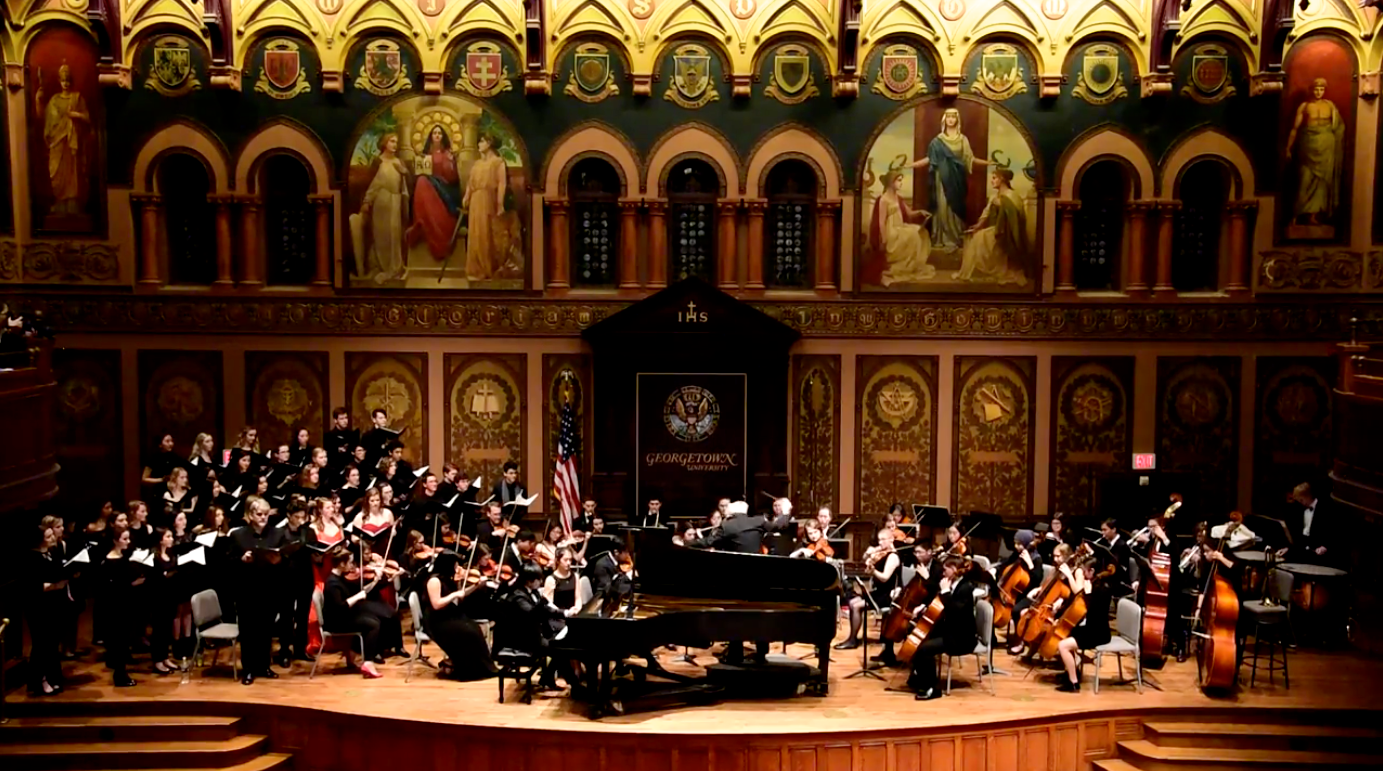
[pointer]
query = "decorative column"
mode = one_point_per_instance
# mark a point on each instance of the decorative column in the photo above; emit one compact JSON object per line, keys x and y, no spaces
{"x":727,"y":247}
{"x":321,"y":272}
{"x":251,"y":242}
{"x":825,"y":268}
{"x":1239,"y":243}
{"x":225,"y":241}
{"x":1166,"y":228}
{"x":1137,"y":283}
{"x":1066,"y":246}
{"x":150,"y":211}
{"x":755,"y":273}
{"x":559,"y":244}
{"x":629,"y":244}
{"x":657,"y":244}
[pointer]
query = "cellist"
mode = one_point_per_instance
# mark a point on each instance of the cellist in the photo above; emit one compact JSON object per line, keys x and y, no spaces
{"x":954,"y":633}
{"x":1061,"y":557}
{"x":1023,"y":561}
{"x":1093,"y":630}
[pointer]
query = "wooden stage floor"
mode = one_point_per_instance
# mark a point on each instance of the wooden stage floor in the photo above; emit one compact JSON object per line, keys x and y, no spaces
{"x":1337,"y":680}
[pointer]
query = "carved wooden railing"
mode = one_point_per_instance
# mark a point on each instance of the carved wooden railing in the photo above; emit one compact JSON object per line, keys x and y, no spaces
{"x":1357,"y":477}
{"x":28,"y":460}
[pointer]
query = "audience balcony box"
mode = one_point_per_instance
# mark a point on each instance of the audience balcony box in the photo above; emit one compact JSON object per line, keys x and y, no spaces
{"x":28,"y":464}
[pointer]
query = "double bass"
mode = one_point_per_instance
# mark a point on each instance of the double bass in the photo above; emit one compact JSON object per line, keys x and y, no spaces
{"x":1155,"y":592}
{"x":1218,"y":612}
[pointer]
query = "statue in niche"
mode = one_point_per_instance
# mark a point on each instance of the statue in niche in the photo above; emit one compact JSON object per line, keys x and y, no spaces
{"x":66,"y":132}
{"x":1316,"y":149}
{"x":385,"y":208}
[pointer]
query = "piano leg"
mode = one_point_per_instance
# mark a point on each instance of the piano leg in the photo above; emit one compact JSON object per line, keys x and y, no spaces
{"x":823,"y":663}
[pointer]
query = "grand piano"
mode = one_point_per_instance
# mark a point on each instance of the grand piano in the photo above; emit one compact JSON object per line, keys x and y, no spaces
{"x":695,"y":598}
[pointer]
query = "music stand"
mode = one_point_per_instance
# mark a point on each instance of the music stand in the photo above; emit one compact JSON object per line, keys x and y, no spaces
{"x":841,"y":546}
{"x":865,"y":670}
{"x":983,"y":526}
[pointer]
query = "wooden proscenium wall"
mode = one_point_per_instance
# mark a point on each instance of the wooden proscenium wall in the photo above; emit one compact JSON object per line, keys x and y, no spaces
{"x":889,"y":410}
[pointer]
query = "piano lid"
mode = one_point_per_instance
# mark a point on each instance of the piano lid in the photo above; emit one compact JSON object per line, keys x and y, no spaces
{"x":666,"y":569}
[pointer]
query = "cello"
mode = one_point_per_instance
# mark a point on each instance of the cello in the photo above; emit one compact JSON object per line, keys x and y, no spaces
{"x":1041,"y":613}
{"x":1155,"y":592}
{"x":1012,"y":582}
{"x":898,"y":622}
{"x":1060,"y":628}
{"x":1218,"y":611}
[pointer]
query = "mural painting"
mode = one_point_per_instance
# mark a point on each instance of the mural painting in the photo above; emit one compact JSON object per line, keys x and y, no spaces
{"x":1318,"y":121}
{"x":65,"y":129}
{"x":437,"y":198}
{"x":950,"y":202}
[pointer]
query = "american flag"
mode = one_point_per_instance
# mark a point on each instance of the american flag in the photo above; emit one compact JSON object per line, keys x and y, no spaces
{"x":565,"y":485}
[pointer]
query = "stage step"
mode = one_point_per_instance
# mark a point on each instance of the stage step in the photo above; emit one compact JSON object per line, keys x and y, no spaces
{"x":236,"y":751}
{"x":1264,"y":736}
{"x":135,"y":728}
{"x":1146,"y":756}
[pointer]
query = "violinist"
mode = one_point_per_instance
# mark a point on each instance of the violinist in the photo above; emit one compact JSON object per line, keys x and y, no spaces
{"x":883,"y":568}
{"x":823,"y":520}
{"x":957,"y":545}
{"x":347,"y":609}
{"x":1093,"y":630}
{"x":490,"y":531}
{"x":447,"y":622}
{"x":1126,"y":571}
{"x":814,"y":544}
{"x":545,"y":552}
{"x":954,"y":634}
{"x":522,"y":548}
{"x":891,"y":522}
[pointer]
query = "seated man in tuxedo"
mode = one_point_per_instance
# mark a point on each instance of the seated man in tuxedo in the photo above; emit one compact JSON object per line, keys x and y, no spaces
{"x":1312,"y":534}
{"x":654,"y":516}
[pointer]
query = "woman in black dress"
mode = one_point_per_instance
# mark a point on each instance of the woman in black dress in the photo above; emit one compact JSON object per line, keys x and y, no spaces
{"x":141,"y":532}
{"x":118,"y":585}
{"x":162,"y":594}
{"x":1093,"y":630}
{"x":561,"y":586}
{"x":178,"y":498}
{"x":446,"y":622}
{"x":347,"y":609}
{"x":47,"y":609}
{"x":301,"y":452}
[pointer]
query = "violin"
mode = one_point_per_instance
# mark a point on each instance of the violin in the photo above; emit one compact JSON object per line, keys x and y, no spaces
{"x":901,"y":535}
{"x":876,"y":553}
{"x":821,"y":549}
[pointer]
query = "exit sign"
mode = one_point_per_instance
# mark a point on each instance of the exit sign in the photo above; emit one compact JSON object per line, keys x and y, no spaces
{"x":1144,"y":461}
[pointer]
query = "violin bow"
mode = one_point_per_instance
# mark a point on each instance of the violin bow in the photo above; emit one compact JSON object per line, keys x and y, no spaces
{"x":840,"y":527}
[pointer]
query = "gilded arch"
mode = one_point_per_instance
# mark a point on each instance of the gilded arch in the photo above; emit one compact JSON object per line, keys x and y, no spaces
{"x":692,"y":140}
{"x":797,"y":141}
{"x":188,"y":138}
{"x":1102,"y":142}
{"x":586,"y":139}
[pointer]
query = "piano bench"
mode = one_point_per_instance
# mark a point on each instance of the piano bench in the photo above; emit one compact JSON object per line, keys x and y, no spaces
{"x":519,"y":666}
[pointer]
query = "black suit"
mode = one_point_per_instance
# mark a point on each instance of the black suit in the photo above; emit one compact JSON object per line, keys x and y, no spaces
{"x":607,"y":580}
{"x":1125,"y":567}
{"x":954,"y":634}
{"x":1323,"y":533}
{"x":504,"y":492}
{"x":745,"y":533}
{"x":258,"y":584}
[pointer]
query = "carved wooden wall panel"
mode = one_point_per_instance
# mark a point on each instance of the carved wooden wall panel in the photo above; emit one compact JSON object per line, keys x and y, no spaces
{"x":1198,"y":422}
{"x":994,"y":424}
{"x":816,"y":431}
{"x":285,"y":391}
{"x":1292,"y":426}
{"x":1091,"y":423}
{"x":486,"y":411}
{"x":579,"y":366}
{"x":181,"y":394}
{"x":396,"y":382}
{"x":896,"y":431}
{"x":87,"y":428}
